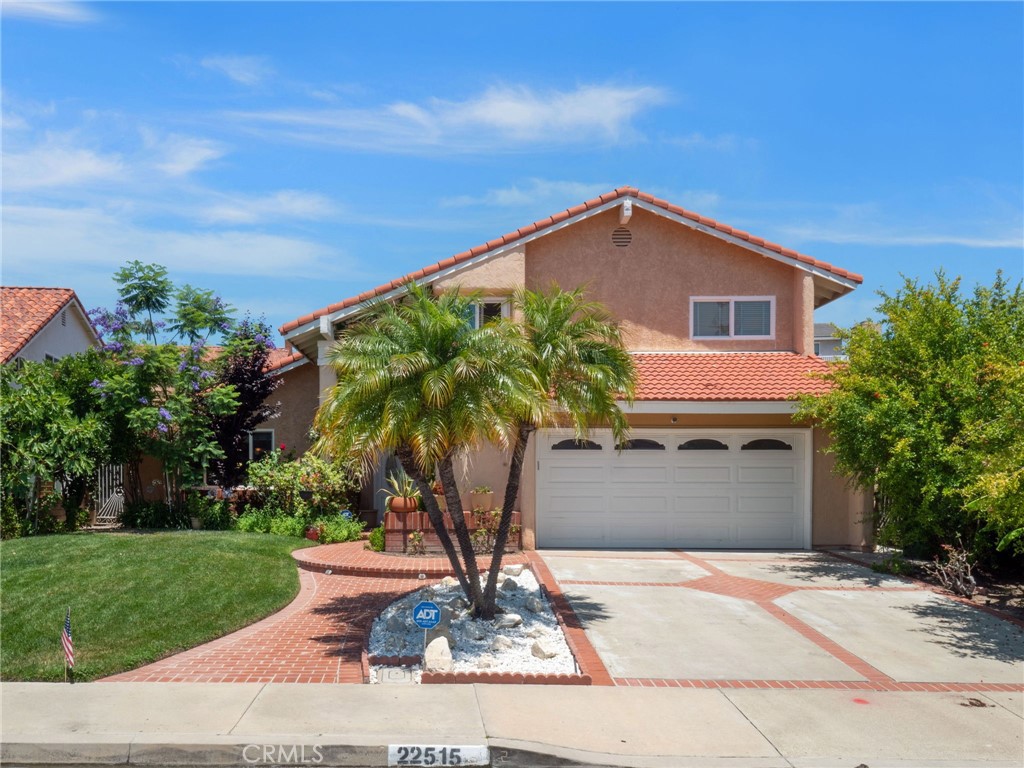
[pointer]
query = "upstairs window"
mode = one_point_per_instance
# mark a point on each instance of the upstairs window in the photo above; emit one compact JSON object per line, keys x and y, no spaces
{"x":732,"y":317}
{"x":487,"y":310}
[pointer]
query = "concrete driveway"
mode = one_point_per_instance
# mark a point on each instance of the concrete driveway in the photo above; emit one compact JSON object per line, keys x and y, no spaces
{"x":782,"y":620}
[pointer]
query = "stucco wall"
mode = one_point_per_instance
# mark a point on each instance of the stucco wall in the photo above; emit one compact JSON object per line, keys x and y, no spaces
{"x":497,"y":276}
{"x":298,"y":395}
{"x":59,"y":340}
{"x":648,"y":284}
{"x":841,"y":515}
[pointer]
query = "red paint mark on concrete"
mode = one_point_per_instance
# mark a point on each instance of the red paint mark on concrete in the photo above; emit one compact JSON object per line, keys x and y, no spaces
{"x":861,"y":701}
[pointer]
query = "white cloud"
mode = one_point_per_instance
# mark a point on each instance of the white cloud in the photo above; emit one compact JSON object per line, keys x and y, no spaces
{"x":286,"y":204}
{"x":81,"y":240}
{"x":58,"y":165}
{"x":530,"y":193}
{"x":1006,"y":238}
{"x":247,"y":70}
{"x":726,"y":142}
{"x":181,"y":155}
{"x":50,"y":10}
{"x":501,"y":118}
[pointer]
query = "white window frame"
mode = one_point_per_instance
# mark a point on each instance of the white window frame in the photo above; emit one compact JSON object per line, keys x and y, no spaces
{"x":273,"y":440}
{"x":732,"y":315}
{"x":478,"y":308}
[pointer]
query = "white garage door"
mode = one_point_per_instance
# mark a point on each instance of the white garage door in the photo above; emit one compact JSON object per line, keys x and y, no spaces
{"x":675,"y":488}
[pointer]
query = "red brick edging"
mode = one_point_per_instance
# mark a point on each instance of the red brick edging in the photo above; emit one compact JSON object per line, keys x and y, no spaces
{"x":504,"y":678}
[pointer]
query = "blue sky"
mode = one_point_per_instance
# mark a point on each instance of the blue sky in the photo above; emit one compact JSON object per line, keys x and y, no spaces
{"x":290,"y":155}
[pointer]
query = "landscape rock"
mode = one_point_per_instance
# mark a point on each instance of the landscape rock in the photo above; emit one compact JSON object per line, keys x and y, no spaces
{"x":438,"y":656}
{"x":441,"y":630}
{"x":534,"y":605}
{"x":536,"y":632}
{"x":500,"y":643}
{"x":449,"y":581}
{"x":512,"y":570}
{"x":458,"y":603}
{"x":508,"y":621}
{"x":501,"y":577}
{"x":542,"y":651}
{"x":509,"y":585}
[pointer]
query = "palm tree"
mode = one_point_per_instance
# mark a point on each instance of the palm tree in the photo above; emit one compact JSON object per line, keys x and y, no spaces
{"x":575,"y":351}
{"x":415,"y":379}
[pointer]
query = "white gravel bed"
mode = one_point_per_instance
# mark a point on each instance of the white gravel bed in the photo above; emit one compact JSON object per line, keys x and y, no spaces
{"x":395,"y":634}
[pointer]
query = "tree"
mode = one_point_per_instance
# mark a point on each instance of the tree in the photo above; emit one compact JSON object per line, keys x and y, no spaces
{"x":575,"y":352}
{"x":415,"y":379}
{"x":242,"y":365}
{"x":53,"y":428}
{"x":928,"y":412}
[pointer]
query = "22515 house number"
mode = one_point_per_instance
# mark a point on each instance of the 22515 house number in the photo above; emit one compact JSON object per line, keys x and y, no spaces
{"x":436,"y":756}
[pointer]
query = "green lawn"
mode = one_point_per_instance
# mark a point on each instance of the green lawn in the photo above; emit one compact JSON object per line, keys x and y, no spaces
{"x":134,"y":597}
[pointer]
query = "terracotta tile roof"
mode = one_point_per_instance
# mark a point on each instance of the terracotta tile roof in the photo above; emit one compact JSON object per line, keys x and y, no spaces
{"x":727,"y":376}
{"x":279,"y":358}
{"x":557,"y":218}
{"x":24,"y":312}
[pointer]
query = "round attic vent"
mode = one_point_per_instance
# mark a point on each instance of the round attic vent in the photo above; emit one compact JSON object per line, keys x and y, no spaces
{"x":622,"y":237}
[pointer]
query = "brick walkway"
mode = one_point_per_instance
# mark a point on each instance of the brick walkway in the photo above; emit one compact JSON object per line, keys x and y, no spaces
{"x":318,"y":637}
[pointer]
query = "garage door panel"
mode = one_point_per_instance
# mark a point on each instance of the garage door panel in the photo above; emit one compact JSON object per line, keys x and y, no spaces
{"x":713,"y":474}
{"x":709,"y":532}
{"x":639,"y":503}
{"x":776,"y":474}
{"x":577,"y":473}
{"x":560,"y":504}
{"x":626,"y":474}
{"x":702,"y":505}
{"x":766,"y":504}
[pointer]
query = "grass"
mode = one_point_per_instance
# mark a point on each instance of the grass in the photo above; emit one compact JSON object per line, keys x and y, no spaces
{"x":134,"y":597}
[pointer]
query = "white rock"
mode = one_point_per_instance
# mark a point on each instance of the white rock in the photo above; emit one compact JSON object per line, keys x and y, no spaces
{"x":500,"y":643}
{"x":512,"y":570}
{"x":449,"y":581}
{"x":536,"y":632}
{"x":541,"y":650}
{"x":534,"y":604}
{"x":501,"y":577}
{"x":441,"y":631}
{"x":508,"y":620}
{"x":509,"y":585}
{"x":438,"y":656}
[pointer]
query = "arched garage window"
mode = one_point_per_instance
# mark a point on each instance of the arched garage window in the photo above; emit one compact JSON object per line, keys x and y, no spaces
{"x":640,"y":444}
{"x":767,"y":444}
{"x":703,"y":444}
{"x":576,"y":445}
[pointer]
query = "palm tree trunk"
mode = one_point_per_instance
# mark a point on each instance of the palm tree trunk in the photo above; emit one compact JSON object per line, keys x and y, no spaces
{"x":515,"y":476}
{"x":451,"y":496}
{"x":412,"y":469}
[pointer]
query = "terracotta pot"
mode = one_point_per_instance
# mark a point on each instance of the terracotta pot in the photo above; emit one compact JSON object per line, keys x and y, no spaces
{"x":483,"y":501}
{"x":403,"y":504}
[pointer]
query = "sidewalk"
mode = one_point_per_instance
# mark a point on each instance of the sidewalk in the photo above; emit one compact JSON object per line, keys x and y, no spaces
{"x":199,"y":724}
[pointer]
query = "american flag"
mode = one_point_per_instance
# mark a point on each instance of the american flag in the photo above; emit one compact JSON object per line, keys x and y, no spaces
{"x":65,"y":639}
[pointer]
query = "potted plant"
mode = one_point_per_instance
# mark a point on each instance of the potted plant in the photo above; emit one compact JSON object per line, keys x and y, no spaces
{"x":482,"y":498}
{"x":401,"y":493}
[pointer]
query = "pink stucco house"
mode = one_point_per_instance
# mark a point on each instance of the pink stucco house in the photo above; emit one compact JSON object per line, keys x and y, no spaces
{"x":721,"y":324}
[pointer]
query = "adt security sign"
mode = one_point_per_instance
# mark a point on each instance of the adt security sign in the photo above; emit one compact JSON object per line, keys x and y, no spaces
{"x":426,"y":615}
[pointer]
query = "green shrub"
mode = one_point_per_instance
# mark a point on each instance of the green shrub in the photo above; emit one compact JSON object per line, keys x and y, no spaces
{"x":337,"y":528}
{"x":154,"y":514}
{"x":287,"y":526}
{"x":212,"y":513}
{"x":254,"y":521}
{"x":281,"y":485}
{"x":10,"y":522}
{"x":377,"y":539}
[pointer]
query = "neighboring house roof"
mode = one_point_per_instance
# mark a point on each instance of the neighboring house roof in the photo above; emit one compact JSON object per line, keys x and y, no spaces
{"x":744,"y":376}
{"x":825,"y":331}
{"x":26,"y":311}
{"x":284,"y":359}
{"x":597,"y":204}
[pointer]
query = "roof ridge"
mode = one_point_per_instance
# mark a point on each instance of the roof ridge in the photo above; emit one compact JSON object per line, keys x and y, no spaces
{"x":557,"y":218}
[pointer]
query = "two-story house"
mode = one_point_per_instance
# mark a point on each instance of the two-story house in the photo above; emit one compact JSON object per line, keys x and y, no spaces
{"x":721,"y":326}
